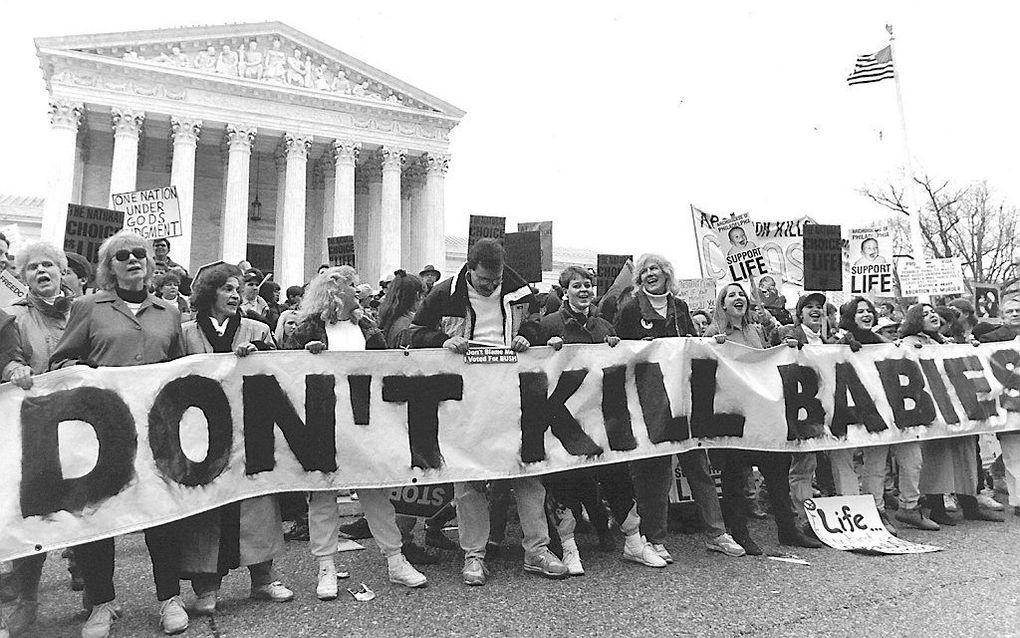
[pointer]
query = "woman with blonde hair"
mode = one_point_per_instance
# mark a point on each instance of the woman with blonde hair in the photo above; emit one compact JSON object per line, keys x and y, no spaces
{"x":124,"y":325}
{"x":654,"y":311}
{"x":735,"y":321}
{"x":330,"y":318}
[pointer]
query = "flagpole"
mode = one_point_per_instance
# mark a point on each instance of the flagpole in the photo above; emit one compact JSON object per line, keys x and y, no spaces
{"x":913,"y":208}
{"x":697,"y":241}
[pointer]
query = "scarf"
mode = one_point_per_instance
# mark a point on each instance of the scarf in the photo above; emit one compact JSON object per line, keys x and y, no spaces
{"x":219,"y":343}
{"x":57,"y":309}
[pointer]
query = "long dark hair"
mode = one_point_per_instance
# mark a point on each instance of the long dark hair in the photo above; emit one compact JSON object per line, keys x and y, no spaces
{"x":401,"y":295}
{"x":913,"y":322}
{"x":848,"y":311}
{"x":950,"y":319}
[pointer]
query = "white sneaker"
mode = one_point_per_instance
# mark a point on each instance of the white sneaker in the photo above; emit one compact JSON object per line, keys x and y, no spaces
{"x":725,"y":544}
{"x":275,"y":592}
{"x":403,"y":573}
{"x":572,"y":559}
{"x":663,"y":553}
{"x":986,"y":501}
{"x":172,"y":616}
{"x":637,"y":550}
{"x":100,"y":620}
{"x":327,"y":588}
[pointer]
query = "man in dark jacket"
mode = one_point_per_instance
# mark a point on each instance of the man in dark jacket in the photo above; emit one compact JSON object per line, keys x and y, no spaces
{"x":1009,"y":441}
{"x":488,"y":304}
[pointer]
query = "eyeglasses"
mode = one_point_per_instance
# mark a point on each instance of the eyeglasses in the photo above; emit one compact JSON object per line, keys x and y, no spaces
{"x":124,"y":254}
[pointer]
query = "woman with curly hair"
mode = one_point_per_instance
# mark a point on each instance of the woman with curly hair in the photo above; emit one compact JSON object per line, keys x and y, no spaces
{"x":330,"y":318}
{"x":248,"y":532}
{"x":654,"y":311}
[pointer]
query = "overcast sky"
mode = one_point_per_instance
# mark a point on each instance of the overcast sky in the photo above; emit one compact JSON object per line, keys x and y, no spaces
{"x":611,"y":118}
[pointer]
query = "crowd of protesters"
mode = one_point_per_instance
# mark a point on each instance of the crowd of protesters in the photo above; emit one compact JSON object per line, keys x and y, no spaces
{"x":144,"y":308}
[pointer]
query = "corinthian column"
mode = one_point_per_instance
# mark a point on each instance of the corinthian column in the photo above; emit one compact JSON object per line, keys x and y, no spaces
{"x":127,"y":124}
{"x":184,"y":134}
{"x":392,"y":159}
{"x":234,"y":238}
{"x":345,"y":156}
{"x":434,"y":209}
{"x":411,"y":230}
{"x":65,"y":118}
{"x":292,"y":249}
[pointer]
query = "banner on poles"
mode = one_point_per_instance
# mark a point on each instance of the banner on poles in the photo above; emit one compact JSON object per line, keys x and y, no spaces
{"x":871,"y":259}
{"x":91,"y":453}
{"x":524,"y":254}
{"x":545,"y":228}
{"x":699,"y":294}
{"x":608,"y":268}
{"x":932,"y":277}
{"x":485,"y":227}
{"x":986,"y":300}
{"x":11,"y":288}
{"x":823,"y":257}
{"x":780,"y":242}
{"x":341,"y":251}
{"x":153,"y":213}
{"x":87,"y":227}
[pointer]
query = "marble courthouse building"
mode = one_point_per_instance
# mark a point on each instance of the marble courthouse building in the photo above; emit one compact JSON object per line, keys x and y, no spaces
{"x":273,"y":139}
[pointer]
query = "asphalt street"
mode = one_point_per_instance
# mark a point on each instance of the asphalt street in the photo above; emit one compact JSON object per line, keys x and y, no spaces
{"x":972,"y":588}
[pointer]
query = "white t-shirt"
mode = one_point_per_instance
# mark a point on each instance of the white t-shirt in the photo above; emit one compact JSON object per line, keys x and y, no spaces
{"x":344,"y":336}
{"x":488,"y":316}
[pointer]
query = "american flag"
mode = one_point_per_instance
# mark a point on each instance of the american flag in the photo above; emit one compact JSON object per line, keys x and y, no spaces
{"x":873,"y":67}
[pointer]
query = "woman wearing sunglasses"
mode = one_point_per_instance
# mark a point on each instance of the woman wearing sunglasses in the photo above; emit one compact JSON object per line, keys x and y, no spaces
{"x":124,"y":325}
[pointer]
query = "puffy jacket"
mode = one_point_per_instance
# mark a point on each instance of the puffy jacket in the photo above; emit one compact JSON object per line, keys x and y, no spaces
{"x":447,"y":312}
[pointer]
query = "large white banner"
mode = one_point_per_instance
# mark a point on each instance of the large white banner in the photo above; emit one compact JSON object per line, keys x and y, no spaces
{"x":91,"y":453}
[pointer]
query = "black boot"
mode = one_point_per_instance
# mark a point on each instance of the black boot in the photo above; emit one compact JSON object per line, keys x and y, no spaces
{"x":744,"y":539}
{"x":938,"y":513}
{"x":789,"y":534}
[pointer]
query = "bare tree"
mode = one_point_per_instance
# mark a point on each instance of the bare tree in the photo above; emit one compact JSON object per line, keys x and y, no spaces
{"x":969,"y":223}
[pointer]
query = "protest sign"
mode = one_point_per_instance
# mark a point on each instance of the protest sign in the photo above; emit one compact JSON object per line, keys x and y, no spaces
{"x":422,"y":501}
{"x":780,"y":241}
{"x":851,"y":523}
{"x":285,"y":421}
{"x":485,"y":227}
{"x":490,"y":355}
{"x":608,"y":268}
{"x":524,"y":254}
{"x":545,"y":228}
{"x":932,"y":277}
{"x":14,"y":238}
{"x":87,"y":227}
{"x":823,"y":257}
{"x":11,"y":289}
{"x":871,"y":261}
{"x":153,"y":213}
{"x":986,"y":300}
{"x":699,"y":294}
{"x":341,"y":251}
{"x":744,"y":259}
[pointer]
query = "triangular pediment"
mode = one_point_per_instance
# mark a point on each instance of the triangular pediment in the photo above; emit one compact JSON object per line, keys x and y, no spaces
{"x":269,"y":53}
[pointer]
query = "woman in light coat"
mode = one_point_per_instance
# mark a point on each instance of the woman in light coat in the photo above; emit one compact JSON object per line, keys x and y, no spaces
{"x":248,"y":532}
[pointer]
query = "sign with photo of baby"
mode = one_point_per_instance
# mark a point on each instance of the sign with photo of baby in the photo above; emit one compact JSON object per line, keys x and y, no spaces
{"x":871,"y":261}
{"x":744,"y":259}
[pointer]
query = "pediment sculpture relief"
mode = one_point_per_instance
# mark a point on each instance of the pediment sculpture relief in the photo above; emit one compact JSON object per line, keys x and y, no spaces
{"x":254,"y":60}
